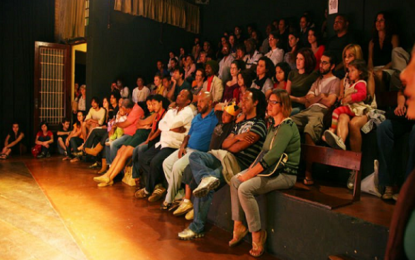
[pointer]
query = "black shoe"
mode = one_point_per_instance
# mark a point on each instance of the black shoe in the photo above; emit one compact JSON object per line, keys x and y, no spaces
{"x":47,"y":155}
{"x":41,"y":155}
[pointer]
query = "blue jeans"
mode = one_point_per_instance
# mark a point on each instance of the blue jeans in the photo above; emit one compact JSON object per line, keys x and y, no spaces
{"x":203,"y":165}
{"x":136,"y":166}
{"x":111,"y":151}
{"x":387,"y":133}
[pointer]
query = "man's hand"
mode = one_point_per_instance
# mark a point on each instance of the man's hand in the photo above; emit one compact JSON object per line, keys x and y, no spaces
{"x":182,"y":152}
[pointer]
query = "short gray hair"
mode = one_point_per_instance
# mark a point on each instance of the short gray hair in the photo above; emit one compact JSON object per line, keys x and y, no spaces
{"x":128,"y":103}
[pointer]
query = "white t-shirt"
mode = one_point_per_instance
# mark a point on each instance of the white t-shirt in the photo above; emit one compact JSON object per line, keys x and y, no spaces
{"x":140,"y":95}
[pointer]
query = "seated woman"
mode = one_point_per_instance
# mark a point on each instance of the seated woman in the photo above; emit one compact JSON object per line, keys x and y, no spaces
{"x":197,"y":84}
{"x":383,"y":41}
{"x":295,"y":45}
{"x":282,"y":70}
{"x":231,"y":92}
{"x":314,"y":38}
{"x":12,"y":142}
{"x":43,"y":140}
{"x":189,"y":68}
{"x":144,"y":127}
{"x":75,"y":138}
{"x":158,"y":86}
{"x":283,"y":137}
{"x":301,"y":79}
{"x":276,"y":54}
{"x":264,"y":71}
{"x":351,"y":125}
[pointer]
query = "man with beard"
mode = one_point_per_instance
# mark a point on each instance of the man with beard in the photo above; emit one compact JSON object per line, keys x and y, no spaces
{"x":225,"y":64}
{"x":213,"y":84}
{"x":322,"y":95}
{"x":198,"y":139}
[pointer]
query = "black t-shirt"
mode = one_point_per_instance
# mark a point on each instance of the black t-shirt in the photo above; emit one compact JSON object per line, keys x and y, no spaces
{"x":337,"y":44}
{"x":220,"y":132}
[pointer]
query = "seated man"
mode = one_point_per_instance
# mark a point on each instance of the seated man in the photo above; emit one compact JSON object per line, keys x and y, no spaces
{"x":243,"y":145}
{"x":198,"y":139}
{"x":174,"y":127}
{"x":95,"y":118}
{"x":178,"y":84}
{"x":62,"y":134}
{"x":322,"y":95}
{"x":213,"y":84}
{"x":225,"y":64}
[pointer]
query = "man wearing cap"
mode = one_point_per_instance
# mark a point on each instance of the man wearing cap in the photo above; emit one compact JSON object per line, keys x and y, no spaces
{"x":213,"y":84}
{"x":225,"y":64}
{"x":198,"y":139}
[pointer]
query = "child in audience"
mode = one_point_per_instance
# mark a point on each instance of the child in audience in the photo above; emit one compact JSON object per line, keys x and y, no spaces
{"x":353,"y":102}
{"x":282,"y":70}
{"x":12,"y":142}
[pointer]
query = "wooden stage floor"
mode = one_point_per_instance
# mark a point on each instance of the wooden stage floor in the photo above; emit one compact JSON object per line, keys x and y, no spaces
{"x":109,"y":223}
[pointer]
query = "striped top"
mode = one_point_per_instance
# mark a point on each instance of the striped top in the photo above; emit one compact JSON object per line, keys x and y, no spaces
{"x":255,"y":125}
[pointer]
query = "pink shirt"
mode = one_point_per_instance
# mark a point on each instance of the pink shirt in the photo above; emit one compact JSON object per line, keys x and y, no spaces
{"x":132,"y":118}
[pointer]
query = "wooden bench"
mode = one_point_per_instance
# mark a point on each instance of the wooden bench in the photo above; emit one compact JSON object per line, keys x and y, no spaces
{"x":331,"y":157}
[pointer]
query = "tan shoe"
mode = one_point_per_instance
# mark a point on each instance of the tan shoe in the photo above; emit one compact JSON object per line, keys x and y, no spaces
{"x":141,"y":194}
{"x":102,"y":179}
{"x":190,"y":215}
{"x":105,"y":184}
{"x":158,"y":193}
{"x":183,"y":208}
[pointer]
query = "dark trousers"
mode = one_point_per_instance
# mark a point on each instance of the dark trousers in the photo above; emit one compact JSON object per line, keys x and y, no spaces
{"x":96,"y":136}
{"x":387,"y":133}
{"x":151,"y":162}
{"x":74,"y":143}
{"x":44,"y":139}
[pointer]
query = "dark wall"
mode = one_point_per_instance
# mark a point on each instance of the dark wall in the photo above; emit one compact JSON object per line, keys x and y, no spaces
{"x":122,"y":45}
{"x":220,"y":16}
{"x":22,"y":22}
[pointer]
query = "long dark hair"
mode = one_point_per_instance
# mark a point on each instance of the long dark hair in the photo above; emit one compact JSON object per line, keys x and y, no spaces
{"x":165,"y":101}
{"x":390,"y":28}
{"x":269,"y":66}
{"x":309,"y":59}
{"x":261,"y":107}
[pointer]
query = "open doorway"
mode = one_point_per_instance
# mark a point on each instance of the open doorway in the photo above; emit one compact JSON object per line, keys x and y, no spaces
{"x":78,"y":78}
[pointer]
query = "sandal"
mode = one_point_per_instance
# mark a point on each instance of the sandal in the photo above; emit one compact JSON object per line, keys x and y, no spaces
{"x":165,"y":206}
{"x":175,"y":204}
{"x":308,"y":182}
{"x":256,"y":246}
{"x":237,"y":237}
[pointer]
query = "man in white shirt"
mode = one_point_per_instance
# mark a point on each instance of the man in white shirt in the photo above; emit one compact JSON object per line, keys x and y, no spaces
{"x":225,"y":64}
{"x":141,"y":92}
{"x":174,"y":127}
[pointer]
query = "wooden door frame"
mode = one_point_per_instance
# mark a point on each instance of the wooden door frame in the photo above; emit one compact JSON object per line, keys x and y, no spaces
{"x":67,"y":81}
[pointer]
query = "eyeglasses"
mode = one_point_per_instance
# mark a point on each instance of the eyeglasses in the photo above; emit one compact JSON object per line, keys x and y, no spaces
{"x":274,"y":102}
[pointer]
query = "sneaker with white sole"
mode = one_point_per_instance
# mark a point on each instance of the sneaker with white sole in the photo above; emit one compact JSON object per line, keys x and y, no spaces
{"x":207,"y":184}
{"x":188,"y":234}
{"x":158,"y":193}
{"x":333,"y":140}
{"x":184,"y":207}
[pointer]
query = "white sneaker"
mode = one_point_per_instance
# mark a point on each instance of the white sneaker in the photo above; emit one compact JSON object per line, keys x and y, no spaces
{"x":333,"y":140}
{"x":207,"y":184}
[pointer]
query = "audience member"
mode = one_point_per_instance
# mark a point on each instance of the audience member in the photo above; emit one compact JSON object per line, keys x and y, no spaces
{"x":95,"y":118}
{"x":341,"y":38}
{"x":141,"y":92}
{"x":213,"y":84}
{"x":12,"y":142}
{"x":314,"y":39}
{"x":124,"y":90}
{"x":295,"y":45}
{"x":178,"y":84}
{"x":282,"y":138}
{"x":264,"y":71}
{"x":189,"y":68}
{"x":231,"y":90}
{"x":240,"y":147}
{"x":75,"y":138}
{"x":171,"y":57}
{"x":160,"y":69}
{"x":44,"y":138}
{"x":275,"y":54}
{"x":82,"y":99}
{"x":174,"y":127}
{"x":201,"y":61}
{"x":239,"y":39}
{"x":198,"y":139}
{"x":225,"y":64}
{"x":318,"y":101}
{"x":265,"y":48}
{"x":304,"y":27}
{"x":300,"y":80}
{"x":197,"y":84}
{"x":62,"y":134}
{"x":253,"y":54}
{"x":284,"y":33}
{"x":174,"y":63}
{"x":282,"y":70}
{"x":158,"y":86}
{"x":232,"y":44}
{"x":240,"y":53}
{"x":207,"y":49}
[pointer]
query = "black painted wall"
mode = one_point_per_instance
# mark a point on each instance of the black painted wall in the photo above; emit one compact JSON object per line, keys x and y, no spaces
{"x":220,"y":16}
{"x":22,"y":22}
{"x":122,"y":45}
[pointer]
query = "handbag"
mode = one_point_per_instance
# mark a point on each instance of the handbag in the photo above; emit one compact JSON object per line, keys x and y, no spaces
{"x":128,"y":175}
{"x":277,"y":167}
{"x":36,"y":150}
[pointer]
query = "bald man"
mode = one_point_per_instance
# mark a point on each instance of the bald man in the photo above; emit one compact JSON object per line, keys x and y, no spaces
{"x":198,"y":139}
